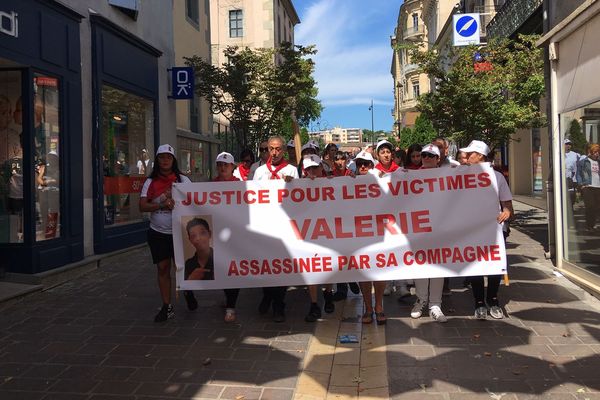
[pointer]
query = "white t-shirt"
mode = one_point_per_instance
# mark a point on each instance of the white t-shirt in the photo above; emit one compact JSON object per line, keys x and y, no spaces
{"x":143,"y":169}
{"x":160,"y":220}
{"x":263,"y":173}
{"x":504,"y":193}
{"x":595,"y":173}
{"x":253,"y":169}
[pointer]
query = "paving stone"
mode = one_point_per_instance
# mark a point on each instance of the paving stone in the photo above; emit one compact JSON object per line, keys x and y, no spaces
{"x":116,"y":387}
{"x":73,"y":386}
{"x":236,"y":392}
{"x":194,"y":391}
{"x":277,"y":394}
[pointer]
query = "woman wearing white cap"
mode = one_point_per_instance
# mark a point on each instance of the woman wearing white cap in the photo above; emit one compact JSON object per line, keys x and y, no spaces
{"x":477,"y":152}
{"x":225,"y":167}
{"x":429,"y":290}
{"x":156,"y":199}
{"x":364,"y":165}
{"x":385,"y":155}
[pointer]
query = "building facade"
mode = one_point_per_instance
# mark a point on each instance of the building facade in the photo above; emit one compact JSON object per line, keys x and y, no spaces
{"x":83,"y":92}
{"x":196,"y":144}
{"x":409,"y":81}
{"x":247,"y":23}
{"x":337,"y":135}
{"x":573,"y":57}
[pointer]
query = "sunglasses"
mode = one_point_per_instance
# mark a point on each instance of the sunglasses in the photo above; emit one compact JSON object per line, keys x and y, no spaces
{"x":428,"y":155}
{"x":362,"y":164}
{"x":263,"y":149}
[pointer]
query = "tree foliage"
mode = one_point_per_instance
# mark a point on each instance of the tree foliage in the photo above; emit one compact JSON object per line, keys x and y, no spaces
{"x":578,"y":140}
{"x":422,"y":133}
{"x":258,"y":90}
{"x":489,"y":105}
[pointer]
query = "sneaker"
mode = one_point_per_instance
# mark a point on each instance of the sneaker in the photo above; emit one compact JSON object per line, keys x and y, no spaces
{"x":264,"y":305}
{"x":496,"y":312}
{"x":354,"y":288}
{"x":417,"y":310}
{"x":229,"y":315}
{"x":402,"y":291}
{"x":166,"y":312}
{"x":389,"y":289}
{"x":313,"y":314}
{"x":481,"y":312}
{"x":190,"y":299}
{"x":278,"y":316}
{"x":436,"y":313}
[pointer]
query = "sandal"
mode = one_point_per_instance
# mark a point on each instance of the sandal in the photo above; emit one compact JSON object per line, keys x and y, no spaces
{"x":367,"y":317}
{"x":230,"y":315}
{"x":381,"y":318}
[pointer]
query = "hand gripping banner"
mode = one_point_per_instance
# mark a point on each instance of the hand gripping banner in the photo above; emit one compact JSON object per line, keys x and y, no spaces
{"x":412,"y":224}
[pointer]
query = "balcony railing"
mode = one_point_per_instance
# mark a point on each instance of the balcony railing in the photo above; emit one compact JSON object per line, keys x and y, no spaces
{"x":511,"y":16}
{"x":408,"y":68}
{"x":414,"y":32}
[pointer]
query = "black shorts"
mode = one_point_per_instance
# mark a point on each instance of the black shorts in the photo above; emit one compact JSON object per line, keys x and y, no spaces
{"x":161,"y":246}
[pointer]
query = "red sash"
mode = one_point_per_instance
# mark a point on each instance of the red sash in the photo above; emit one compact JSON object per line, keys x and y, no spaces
{"x":244,"y":171}
{"x":392,"y":168}
{"x":160,"y":184}
{"x":277,"y":168}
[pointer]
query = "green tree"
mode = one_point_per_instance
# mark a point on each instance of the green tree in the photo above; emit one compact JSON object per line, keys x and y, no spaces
{"x":259,"y":90}
{"x":578,"y":141}
{"x":487,"y":104}
{"x":422,"y":132}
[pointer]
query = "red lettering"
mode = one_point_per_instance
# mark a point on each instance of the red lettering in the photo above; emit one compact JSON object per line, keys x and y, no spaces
{"x":454,"y":182}
{"x":446,"y":252}
{"x":363,"y":225}
{"x":247,"y":198}
{"x":457,"y":256}
{"x":263,"y":196}
{"x":420,"y":221}
{"x":188,"y":199}
{"x":321,"y":229}
{"x":484,"y":179}
{"x":281,"y":194}
{"x":385,"y":221}
{"x":407,"y":260}
{"x":233,"y":270}
{"x":339,"y":233}
{"x":413,"y":186}
{"x":495,"y":252}
{"x":470,"y":181}
{"x":300,"y":234}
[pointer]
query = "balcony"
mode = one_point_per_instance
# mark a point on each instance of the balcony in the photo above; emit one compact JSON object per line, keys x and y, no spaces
{"x":409,"y":68}
{"x":413,"y":33}
{"x":511,"y":17}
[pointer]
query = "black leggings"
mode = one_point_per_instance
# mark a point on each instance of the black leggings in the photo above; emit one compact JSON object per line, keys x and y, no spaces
{"x":231,"y":296}
{"x":477,"y":285}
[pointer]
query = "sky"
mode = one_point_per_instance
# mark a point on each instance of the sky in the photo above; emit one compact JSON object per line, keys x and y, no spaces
{"x":354,"y":58}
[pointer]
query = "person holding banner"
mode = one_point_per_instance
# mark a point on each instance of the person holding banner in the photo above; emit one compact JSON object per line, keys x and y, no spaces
{"x":385,"y":155}
{"x":364,"y":164}
{"x":313,"y":168}
{"x":275,"y":168}
{"x":429,"y":290}
{"x":225,"y":166}
{"x":341,"y":165}
{"x":477,"y":152}
{"x":156,"y":199}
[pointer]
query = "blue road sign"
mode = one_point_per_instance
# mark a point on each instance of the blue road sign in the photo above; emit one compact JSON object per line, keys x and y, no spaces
{"x":182,"y":83}
{"x":466,"y":29}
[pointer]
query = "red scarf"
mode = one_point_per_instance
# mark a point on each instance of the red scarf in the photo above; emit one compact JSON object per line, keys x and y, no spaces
{"x":392,"y":167}
{"x":232,"y":179}
{"x":412,"y":166}
{"x":277,"y":168}
{"x":337,"y":172}
{"x":160,"y":184}
{"x":244,"y":171}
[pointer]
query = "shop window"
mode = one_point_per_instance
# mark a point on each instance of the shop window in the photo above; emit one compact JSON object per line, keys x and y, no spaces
{"x":46,"y":109}
{"x":11,"y":158}
{"x":127,"y":134}
{"x":191,"y":158}
{"x":581,"y":186}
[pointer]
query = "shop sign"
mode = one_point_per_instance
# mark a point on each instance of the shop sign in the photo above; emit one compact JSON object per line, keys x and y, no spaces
{"x":9,"y":24}
{"x":182,"y":83}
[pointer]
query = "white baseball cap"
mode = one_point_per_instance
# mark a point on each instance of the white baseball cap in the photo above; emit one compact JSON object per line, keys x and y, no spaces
{"x":567,"y":141}
{"x":314,"y":143}
{"x":364,"y":155}
{"x":431,"y":149}
{"x":383,"y":143}
{"x":225,"y":157}
{"x":311,"y":160}
{"x":477,"y":146}
{"x":309,"y":145}
{"x":291,"y":143}
{"x":165,"y":149}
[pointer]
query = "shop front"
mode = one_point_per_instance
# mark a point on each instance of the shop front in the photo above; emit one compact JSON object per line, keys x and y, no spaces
{"x":575,"y":93}
{"x":40,"y":136}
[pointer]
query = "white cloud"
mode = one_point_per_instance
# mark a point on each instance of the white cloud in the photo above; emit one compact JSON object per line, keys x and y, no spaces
{"x":352,"y":63}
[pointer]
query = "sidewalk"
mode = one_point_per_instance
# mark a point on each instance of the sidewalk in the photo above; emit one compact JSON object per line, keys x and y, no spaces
{"x":93,"y":338}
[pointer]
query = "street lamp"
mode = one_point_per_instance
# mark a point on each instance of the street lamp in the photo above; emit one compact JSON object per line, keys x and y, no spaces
{"x":372,"y":123}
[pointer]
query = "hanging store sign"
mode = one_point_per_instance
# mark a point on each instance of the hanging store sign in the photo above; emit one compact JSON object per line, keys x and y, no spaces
{"x":182,"y":83}
{"x":9,"y":24}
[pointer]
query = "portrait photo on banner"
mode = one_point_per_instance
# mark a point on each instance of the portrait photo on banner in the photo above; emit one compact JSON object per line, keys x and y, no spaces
{"x":197,"y":240}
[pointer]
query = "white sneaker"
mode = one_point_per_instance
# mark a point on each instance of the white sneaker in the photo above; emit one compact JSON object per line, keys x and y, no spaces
{"x":403,"y":291}
{"x":481,"y":312}
{"x":496,"y":312}
{"x":417,"y":310}
{"x":436,"y":313}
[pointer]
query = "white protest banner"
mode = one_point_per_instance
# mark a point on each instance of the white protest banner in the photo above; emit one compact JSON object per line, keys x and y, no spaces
{"x":413,"y":224}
